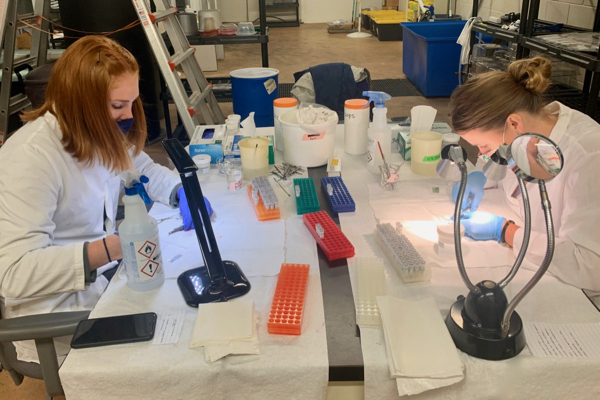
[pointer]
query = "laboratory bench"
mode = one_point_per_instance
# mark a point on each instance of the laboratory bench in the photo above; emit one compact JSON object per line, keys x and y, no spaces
{"x":331,"y":347}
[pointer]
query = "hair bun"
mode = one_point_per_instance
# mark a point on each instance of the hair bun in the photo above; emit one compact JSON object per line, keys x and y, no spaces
{"x":533,"y":73}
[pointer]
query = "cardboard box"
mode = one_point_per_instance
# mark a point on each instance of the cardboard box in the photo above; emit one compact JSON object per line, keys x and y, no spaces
{"x":404,"y":137}
{"x":208,"y":139}
{"x":391,"y":3}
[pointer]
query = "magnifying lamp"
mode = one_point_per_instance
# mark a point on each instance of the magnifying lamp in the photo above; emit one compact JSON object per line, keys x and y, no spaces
{"x":218,"y":280}
{"x":484,"y":324}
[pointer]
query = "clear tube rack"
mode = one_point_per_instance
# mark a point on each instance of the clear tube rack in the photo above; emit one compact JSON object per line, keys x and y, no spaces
{"x":400,"y":252}
{"x":338,"y":194}
{"x":306,"y":196}
{"x":263,"y":198}
{"x":334,"y":243}
{"x":287,"y":308}
{"x":370,"y":283}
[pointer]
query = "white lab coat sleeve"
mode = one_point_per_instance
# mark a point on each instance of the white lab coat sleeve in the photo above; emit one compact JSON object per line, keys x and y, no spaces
{"x":162,"y":180}
{"x":30,"y":266}
{"x":576,"y":259}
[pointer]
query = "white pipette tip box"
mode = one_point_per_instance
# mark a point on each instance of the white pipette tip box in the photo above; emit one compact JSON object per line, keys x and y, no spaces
{"x":400,"y":252}
{"x":370,"y":283}
{"x":334,"y":167}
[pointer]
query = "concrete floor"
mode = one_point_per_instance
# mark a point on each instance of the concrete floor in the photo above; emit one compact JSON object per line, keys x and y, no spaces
{"x":290,"y":50}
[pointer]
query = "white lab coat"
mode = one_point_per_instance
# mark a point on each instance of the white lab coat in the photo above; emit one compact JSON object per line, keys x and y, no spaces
{"x":50,"y":204}
{"x":575,"y":199}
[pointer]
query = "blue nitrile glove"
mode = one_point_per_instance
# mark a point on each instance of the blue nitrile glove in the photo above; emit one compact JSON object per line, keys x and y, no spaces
{"x":480,"y":225}
{"x":473,"y":192}
{"x":185,"y":209}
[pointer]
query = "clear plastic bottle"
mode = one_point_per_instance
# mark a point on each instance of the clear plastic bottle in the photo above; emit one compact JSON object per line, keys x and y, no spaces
{"x":379,"y":134}
{"x":139,"y":238}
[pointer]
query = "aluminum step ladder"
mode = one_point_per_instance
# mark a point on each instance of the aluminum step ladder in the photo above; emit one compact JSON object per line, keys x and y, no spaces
{"x":201,"y":101}
{"x":17,"y":13}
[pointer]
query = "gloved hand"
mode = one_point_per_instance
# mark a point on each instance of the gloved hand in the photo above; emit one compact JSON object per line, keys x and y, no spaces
{"x":480,"y":225}
{"x":184,"y":208}
{"x":473,"y":192}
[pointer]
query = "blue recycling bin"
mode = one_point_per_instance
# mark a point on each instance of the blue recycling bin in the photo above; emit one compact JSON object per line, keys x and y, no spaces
{"x":431,"y":55}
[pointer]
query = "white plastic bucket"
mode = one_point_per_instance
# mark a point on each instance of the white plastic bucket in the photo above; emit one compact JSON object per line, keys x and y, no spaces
{"x":306,"y":145}
{"x":426,"y":147}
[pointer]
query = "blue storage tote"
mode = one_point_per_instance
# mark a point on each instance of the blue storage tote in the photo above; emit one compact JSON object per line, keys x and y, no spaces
{"x":431,"y":55}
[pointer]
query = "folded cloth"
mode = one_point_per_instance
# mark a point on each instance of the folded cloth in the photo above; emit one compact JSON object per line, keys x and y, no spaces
{"x":420,"y":351}
{"x":226,"y":328}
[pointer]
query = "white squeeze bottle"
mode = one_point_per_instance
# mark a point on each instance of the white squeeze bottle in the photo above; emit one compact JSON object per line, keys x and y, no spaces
{"x":379,"y":133}
{"x":139,"y":237}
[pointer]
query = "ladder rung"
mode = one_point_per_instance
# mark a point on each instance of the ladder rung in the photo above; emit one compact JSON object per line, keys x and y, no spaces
{"x":17,"y":103}
{"x":180,"y":57}
{"x":197,"y":97}
{"x":161,"y":15}
{"x":31,"y":60}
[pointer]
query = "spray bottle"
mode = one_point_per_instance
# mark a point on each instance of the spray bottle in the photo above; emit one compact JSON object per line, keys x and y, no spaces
{"x":139,"y":237}
{"x":379,"y":133}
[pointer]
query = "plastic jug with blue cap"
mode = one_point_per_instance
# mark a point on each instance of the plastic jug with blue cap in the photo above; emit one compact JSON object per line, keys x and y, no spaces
{"x":139,"y":237}
{"x":379,"y":134}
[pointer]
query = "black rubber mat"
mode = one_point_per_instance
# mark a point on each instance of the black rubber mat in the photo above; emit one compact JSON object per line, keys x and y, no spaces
{"x":394,"y":87}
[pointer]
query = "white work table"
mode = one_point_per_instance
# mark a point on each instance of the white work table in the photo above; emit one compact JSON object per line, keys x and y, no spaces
{"x":297,"y":367}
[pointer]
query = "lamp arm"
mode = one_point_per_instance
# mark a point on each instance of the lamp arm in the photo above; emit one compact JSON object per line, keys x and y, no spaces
{"x":545,"y":263}
{"x":457,"y":242}
{"x":526,"y":236}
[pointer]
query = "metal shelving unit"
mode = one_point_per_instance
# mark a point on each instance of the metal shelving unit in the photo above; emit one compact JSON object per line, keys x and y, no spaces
{"x":278,"y":6}
{"x":527,"y":39}
{"x":262,"y":37}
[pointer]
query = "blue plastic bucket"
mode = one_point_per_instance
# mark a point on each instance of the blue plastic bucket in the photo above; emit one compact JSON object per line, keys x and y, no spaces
{"x":254,"y":89}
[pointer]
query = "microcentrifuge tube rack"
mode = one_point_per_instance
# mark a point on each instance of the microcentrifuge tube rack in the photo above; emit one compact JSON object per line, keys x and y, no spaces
{"x":334,"y":243}
{"x":263,"y":198}
{"x":306,"y":196}
{"x":288,"y":301}
{"x":337,"y":194}
{"x":405,"y":259}
{"x":370,"y":283}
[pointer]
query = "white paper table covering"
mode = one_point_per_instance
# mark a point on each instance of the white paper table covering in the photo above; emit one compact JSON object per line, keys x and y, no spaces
{"x":550,"y":301}
{"x":290,"y":367}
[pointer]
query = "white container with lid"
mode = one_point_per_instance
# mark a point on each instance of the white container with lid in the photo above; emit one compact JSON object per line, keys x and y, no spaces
{"x":426,"y":147}
{"x":356,"y":124}
{"x":281,"y":106}
{"x":202,"y":161}
{"x":445,"y":245}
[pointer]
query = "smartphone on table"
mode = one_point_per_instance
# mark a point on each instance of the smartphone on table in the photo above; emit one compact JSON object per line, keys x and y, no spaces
{"x":114,"y":330}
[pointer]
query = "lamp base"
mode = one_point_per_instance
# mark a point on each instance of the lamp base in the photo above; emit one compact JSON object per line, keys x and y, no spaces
{"x":195,"y":285}
{"x":483,"y":343}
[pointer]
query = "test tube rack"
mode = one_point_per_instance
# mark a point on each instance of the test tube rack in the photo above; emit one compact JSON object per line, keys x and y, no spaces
{"x":400,"y":252}
{"x":329,"y":237}
{"x":288,"y":301}
{"x":338,"y":194}
{"x":370,"y":283}
{"x":306,"y":196}
{"x":263,"y":198}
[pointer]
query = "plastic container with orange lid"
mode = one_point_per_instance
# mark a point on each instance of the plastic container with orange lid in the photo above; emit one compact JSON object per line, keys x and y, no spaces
{"x":356,"y":123}
{"x":281,"y":106}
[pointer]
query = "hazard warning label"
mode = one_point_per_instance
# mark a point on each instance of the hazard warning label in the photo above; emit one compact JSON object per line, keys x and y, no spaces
{"x":150,"y":268}
{"x":148,"y":258}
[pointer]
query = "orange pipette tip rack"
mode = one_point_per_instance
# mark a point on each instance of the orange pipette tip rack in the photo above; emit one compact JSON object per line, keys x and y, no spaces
{"x":262,"y":213}
{"x":288,"y":301}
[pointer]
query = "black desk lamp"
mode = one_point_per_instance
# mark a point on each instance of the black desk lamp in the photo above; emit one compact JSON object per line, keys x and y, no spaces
{"x":484,"y":324}
{"x":217,"y":280}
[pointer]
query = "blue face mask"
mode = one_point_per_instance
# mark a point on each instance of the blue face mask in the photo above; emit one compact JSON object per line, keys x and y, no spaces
{"x":125,"y":125}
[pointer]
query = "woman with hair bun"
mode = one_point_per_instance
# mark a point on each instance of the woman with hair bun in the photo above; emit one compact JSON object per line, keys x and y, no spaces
{"x":60,"y":184}
{"x":494,"y":108}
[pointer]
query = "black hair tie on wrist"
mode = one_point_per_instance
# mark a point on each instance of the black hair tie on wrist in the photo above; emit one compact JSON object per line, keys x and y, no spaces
{"x":504,"y":229}
{"x":106,"y":248}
